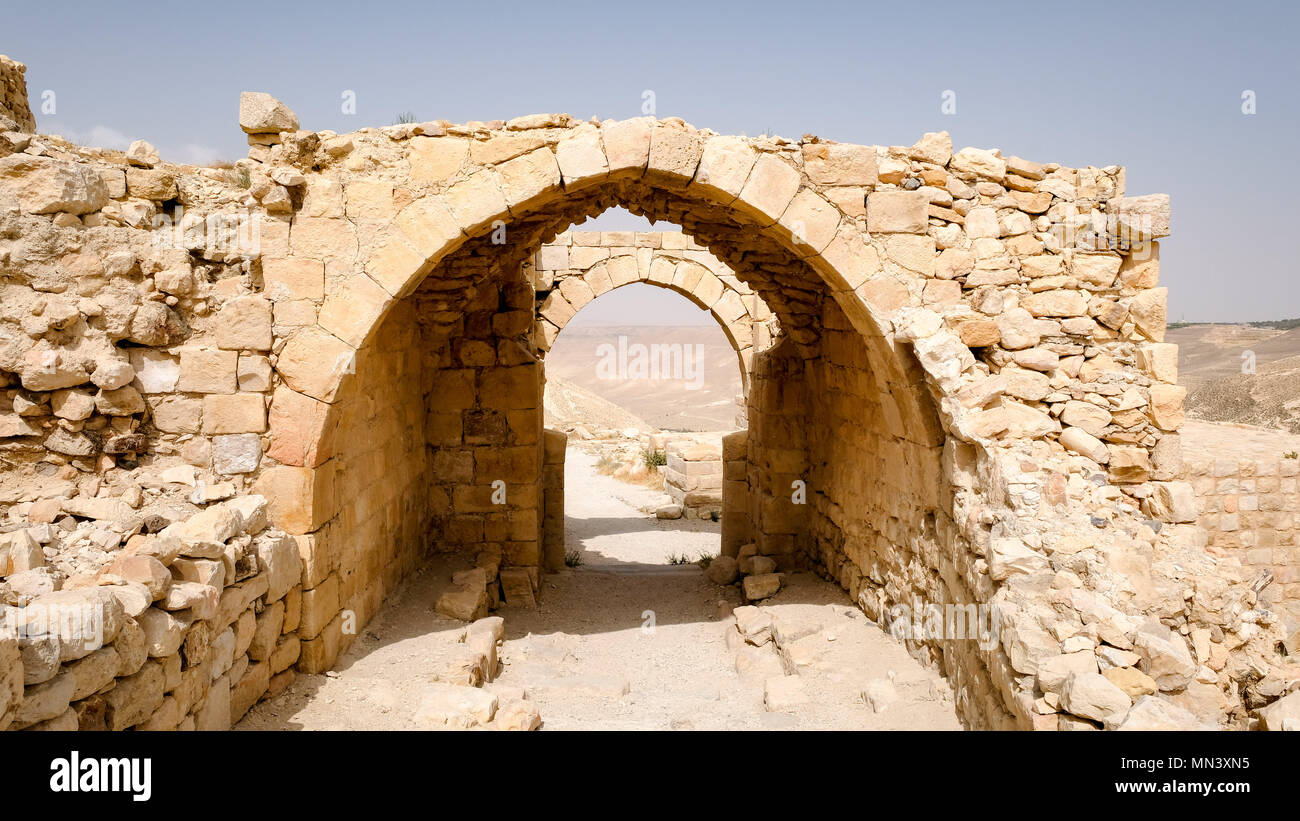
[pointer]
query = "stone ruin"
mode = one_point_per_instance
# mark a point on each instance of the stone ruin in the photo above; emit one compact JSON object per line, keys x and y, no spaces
{"x":238,"y":405}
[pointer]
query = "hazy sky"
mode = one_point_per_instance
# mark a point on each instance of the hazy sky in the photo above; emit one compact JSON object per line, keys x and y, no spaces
{"x":1155,"y":87}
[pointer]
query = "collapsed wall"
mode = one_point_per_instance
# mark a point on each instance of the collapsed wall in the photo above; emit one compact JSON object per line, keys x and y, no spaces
{"x":969,"y":401}
{"x":184,"y":629}
{"x":15,"y":112}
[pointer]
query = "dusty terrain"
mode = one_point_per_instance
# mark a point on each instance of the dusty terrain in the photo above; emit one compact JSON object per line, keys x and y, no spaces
{"x":626,"y":640}
{"x":1211,"y":359}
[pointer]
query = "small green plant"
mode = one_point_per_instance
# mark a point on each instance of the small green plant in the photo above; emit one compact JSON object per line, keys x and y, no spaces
{"x":405,"y":118}
{"x":572,"y":558}
{"x":239,"y":177}
{"x":704,"y":561}
{"x":1291,"y":455}
{"x":676,"y":559}
{"x":654,"y":458}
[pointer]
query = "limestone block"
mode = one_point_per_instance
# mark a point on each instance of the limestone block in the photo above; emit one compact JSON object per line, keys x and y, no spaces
{"x":1093,"y":696}
{"x":769,"y":189}
{"x":970,"y":163}
{"x":1140,"y":218}
{"x":234,"y":413}
{"x":1167,"y":406}
{"x":278,"y":557}
{"x":725,"y":163}
{"x":260,"y":113}
{"x":436,"y":159}
{"x":528,"y":179}
{"x":454,"y":706}
{"x":355,"y":307}
{"x":313,"y":362}
{"x":296,"y":496}
{"x":296,"y":277}
{"x":204,"y":370}
{"x":627,"y":145}
{"x":761,"y":586}
{"x":1160,"y":360}
{"x":1147,"y":310}
{"x":244,"y":323}
{"x":1009,"y":556}
{"x":812,"y":222}
{"x":582,"y":158}
{"x":897,"y":212}
{"x":675,"y":150}
{"x":45,"y":186}
{"x":1164,"y":656}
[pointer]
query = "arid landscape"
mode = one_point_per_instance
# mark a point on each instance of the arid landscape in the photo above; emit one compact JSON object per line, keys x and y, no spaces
{"x":1215,"y":365}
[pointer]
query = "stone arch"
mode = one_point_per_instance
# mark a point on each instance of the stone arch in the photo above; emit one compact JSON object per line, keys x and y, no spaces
{"x":594,"y":263}
{"x":450,"y":255}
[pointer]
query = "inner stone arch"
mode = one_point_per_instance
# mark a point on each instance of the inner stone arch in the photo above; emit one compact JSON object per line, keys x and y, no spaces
{"x":579,"y":266}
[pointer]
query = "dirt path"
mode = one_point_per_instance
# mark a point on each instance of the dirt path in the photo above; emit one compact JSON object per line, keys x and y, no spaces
{"x":628,"y":641}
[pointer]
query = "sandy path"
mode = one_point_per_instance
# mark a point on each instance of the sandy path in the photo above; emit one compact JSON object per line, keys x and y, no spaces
{"x":623,"y":641}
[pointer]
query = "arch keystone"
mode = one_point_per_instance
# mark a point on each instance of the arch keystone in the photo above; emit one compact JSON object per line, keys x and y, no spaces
{"x":582,"y":158}
{"x":674,"y":153}
{"x":627,"y":145}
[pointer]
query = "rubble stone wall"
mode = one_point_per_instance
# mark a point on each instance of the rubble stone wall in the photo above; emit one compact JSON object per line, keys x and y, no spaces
{"x":13,"y":97}
{"x":186,"y":630}
{"x":371,"y":333}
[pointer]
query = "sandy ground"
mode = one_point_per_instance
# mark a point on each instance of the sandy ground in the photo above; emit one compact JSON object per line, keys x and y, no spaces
{"x":1225,"y":440}
{"x":625,"y":641}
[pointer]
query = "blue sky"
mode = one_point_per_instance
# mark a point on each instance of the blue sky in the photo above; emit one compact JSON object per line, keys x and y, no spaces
{"x":1157,"y":88}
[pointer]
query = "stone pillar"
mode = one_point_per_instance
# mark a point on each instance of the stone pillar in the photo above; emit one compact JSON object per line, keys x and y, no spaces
{"x":737,"y":529}
{"x":553,"y":451}
{"x":777,"y":463}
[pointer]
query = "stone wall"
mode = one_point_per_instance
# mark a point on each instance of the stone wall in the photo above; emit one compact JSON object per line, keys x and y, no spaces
{"x":185,"y":630}
{"x":1247,"y":508}
{"x":693,"y":478}
{"x":13,"y":98}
